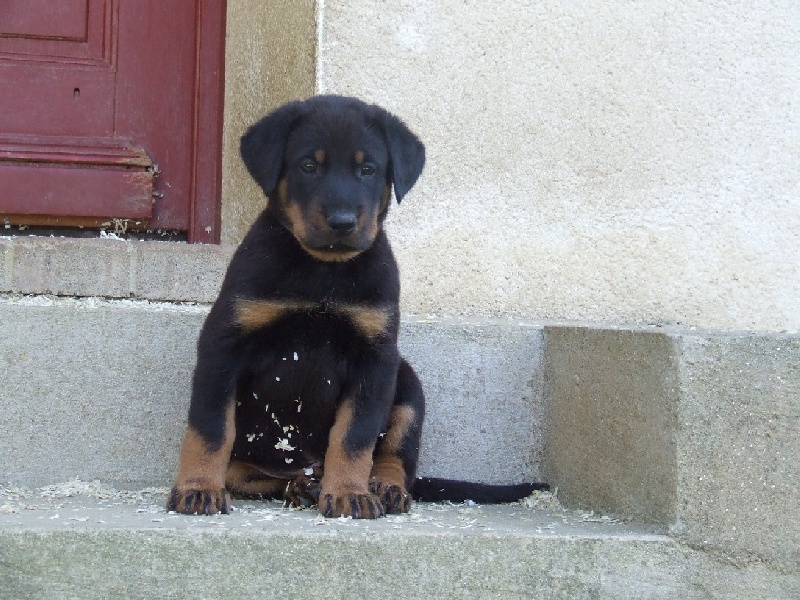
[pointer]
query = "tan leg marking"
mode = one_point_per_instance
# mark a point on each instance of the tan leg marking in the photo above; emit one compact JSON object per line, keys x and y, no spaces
{"x":345,"y":483}
{"x":200,"y":484}
{"x":246,"y":480}
{"x":402,"y":418}
{"x":388,"y":476}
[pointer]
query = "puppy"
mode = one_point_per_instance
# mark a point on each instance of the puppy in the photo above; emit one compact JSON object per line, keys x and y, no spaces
{"x":299,"y":390}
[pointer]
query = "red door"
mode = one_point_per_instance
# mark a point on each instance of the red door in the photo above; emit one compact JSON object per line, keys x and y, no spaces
{"x":112,"y":110}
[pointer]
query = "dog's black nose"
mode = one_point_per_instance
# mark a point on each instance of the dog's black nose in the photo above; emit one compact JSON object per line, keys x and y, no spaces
{"x":342,"y":222}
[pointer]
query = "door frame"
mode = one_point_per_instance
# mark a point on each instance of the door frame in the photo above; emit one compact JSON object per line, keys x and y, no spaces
{"x":206,"y":194}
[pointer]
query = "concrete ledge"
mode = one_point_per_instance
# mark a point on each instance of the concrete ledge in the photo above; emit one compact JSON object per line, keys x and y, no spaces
{"x":99,"y":389}
{"x":112,"y":268}
{"x":103,"y":544}
{"x":695,"y":430}
{"x":611,"y":415}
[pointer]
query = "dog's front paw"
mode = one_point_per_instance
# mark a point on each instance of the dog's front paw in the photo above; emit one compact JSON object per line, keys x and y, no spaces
{"x":351,"y":504}
{"x":394,"y":498}
{"x":199,"y":502}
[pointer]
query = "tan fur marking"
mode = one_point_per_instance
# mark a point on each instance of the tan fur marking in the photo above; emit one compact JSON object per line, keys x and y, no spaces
{"x":296,"y":220}
{"x":388,"y":470}
{"x":283,"y":191}
{"x":386,"y":198}
{"x":388,"y":467}
{"x":345,"y":473}
{"x":319,"y":156}
{"x":373,"y":225}
{"x":245,"y":479}
{"x":300,"y":230}
{"x":201,"y":468}
{"x":331,"y":256}
{"x":403,"y":417}
{"x":360,"y":157}
{"x":254,"y":314}
{"x":370,"y":321}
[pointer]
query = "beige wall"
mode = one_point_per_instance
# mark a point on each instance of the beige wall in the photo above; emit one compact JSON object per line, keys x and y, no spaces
{"x":270,"y":55}
{"x":611,"y":162}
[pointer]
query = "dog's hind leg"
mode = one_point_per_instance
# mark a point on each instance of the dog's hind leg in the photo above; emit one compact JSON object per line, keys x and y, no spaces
{"x":245,"y":480}
{"x":395,"y":460}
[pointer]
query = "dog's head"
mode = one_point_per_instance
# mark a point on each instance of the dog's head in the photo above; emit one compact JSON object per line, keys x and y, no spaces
{"x":328,"y":165}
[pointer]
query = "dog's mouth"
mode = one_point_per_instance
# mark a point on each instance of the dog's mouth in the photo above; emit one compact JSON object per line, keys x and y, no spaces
{"x":338,"y":247}
{"x":336,"y":252}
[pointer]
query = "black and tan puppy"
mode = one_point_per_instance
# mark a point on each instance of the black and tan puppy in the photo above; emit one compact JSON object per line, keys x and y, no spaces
{"x":299,"y":387}
{"x":299,"y":391}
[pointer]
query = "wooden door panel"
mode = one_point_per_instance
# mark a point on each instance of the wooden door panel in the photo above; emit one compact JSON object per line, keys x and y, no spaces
{"x":77,"y":98}
{"x":69,"y":179}
{"x":136,"y":82}
{"x":53,"y":30}
{"x":57,"y":86}
{"x":64,"y":19}
{"x":78,"y":192}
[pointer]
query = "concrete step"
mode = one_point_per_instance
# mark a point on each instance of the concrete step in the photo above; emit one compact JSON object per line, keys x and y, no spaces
{"x":79,"y":540}
{"x":98,"y":388}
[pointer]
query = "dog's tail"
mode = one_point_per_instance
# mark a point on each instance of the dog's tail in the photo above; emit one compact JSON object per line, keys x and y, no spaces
{"x":432,"y":489}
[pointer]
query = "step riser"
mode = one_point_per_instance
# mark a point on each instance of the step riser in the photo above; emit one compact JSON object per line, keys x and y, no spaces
{"x":101,"y":392}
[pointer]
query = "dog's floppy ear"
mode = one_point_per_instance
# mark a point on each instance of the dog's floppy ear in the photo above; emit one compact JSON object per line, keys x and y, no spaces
{"x":263,"y":145}
{"x":406,"y":153}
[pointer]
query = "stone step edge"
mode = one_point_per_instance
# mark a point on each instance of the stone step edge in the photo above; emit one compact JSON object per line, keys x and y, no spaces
{"x":123,"y":544}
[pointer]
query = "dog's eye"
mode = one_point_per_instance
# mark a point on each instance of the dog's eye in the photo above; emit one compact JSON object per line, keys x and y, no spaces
{"x":366,"y":170}
{"x":309,"y":167}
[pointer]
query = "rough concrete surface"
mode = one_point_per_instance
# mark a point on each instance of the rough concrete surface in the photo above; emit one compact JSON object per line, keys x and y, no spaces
{"x":485,"y":397}
{"x":94,"y":389}
{"x":70,"y":267}
{"x":739,"y":445}
{"x":100,"y":389}
{"x":113,"y":268}
{"x":611,"y":421}
{"x":6,"y":258}
{"x":87,"y":541}
{"x":697,"y":430}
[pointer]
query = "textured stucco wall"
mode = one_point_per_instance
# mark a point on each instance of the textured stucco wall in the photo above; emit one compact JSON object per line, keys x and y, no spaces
{"x":270,"y":53}
{"x":610,"y":162}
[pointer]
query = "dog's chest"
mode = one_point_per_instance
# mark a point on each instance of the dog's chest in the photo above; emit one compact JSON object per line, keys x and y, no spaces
{"x":297,"y":373}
